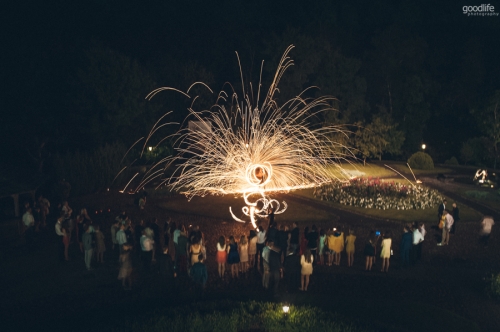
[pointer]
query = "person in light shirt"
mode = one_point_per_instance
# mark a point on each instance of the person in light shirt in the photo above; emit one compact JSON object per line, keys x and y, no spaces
{"x":28,"y":219}
{"x":486,"y":226}
{"x":261,"y":243}
{"x":448,"y":222}
{"x":121,"y":237}
{"x":418,"y":238}
{"x":28,"y":222}
{"x":58,"y":226}
{"x":147,"y":247}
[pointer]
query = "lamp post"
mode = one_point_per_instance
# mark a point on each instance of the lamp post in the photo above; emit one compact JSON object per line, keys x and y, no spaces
{"x":286,"y":309}
{"x":423,"y":147}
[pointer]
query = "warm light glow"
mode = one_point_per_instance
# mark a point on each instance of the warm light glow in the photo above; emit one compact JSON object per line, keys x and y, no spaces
{"x":254,"y":147}
{"x":150,"y":148}
{"x":424,"y":146}
{"x":286,"y":309}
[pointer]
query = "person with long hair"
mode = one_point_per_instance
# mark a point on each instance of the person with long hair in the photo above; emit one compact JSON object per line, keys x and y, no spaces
{"x":233,"y":257}
{"x":303,"y":241}
{"x":350,"y":248}
{"x":338,"y":245}
{"x":385,"y":253}
{"x":194,"y":251}
{"x":306,"y":260}
{"x":261,"y":243}
{"x":369,"y":253}
{"x":221,"y":257}
{"x":125,"y":267}
{"x":312,"y":240}
{"x":321,"y":246}
{"x":329,"y":244}
{"x":252,"y":248}
{"x":243,"y":252}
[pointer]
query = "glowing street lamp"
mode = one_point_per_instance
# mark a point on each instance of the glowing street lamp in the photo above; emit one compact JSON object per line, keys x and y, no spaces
{"x":150,"y":148}
{"x":423,"y":147}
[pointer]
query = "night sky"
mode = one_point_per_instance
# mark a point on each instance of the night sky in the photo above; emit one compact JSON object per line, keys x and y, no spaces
{"x":75,"y":74}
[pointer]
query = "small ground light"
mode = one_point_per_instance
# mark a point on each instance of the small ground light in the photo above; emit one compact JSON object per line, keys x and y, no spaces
{"x":286,"y":309}
{"x":150,"y":148}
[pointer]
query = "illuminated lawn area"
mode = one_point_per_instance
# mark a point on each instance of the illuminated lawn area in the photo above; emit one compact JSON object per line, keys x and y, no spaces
{"x":428,"y":215}
{"x":403,"y":168}
{"x":379,"y":170}
{"x":218,"y":207}
{"x":368,"y":170}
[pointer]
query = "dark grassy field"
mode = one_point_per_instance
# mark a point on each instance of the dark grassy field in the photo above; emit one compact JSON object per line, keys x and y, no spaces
{"x":444,"y":292}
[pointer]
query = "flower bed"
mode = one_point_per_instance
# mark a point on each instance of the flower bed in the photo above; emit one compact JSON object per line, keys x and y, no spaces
{"x":377,"y":194}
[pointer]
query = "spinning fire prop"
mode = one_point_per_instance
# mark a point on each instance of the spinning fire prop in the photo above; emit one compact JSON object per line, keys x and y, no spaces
{"x":251,"y":147}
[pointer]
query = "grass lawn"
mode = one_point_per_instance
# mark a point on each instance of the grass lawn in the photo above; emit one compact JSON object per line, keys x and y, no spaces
{"x":403,"y":168}
{"x":379,"y":170}
{"x":490,"y":198}
{"x":466,"y":214}
{"x":218,"y":207}
{"x":367,"y":170}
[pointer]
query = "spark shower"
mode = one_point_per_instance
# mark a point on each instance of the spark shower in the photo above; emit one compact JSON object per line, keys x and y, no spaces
{"x":248,"y":145}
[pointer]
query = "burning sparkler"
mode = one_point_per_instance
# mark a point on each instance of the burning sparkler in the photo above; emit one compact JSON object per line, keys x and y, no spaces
{"x":253,"y":148}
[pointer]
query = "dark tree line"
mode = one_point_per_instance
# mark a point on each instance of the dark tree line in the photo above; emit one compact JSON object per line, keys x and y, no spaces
{"x":404,"y":73}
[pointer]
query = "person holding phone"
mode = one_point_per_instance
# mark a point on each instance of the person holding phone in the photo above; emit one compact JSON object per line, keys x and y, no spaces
{"x":375,"y":237}
{"x":385,"y":253}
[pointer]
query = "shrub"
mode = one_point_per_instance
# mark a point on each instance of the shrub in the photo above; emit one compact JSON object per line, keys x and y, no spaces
{"x":421,"y":160}
{"x":477,"y":194}
{"x":89,"y":171}
{"x":451,"y":161}
{"x":494,"y":288}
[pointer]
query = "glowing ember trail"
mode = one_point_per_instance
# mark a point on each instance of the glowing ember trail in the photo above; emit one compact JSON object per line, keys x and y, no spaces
{"x":253,"y":148}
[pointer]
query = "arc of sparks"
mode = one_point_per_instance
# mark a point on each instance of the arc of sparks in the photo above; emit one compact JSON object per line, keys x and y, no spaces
{"x":252,"y":148}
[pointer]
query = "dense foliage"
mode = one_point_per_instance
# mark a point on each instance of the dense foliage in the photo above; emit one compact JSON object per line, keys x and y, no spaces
{"x":74,"y":88}
{"x":452,"y":161}
{"x":378,"y":194}
{"x":494,"y":286}
{"x":88,"y":172}
{"x":421,"y":160}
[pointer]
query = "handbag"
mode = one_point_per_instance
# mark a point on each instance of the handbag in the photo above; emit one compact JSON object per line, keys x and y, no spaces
{"x":441,"y":224}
